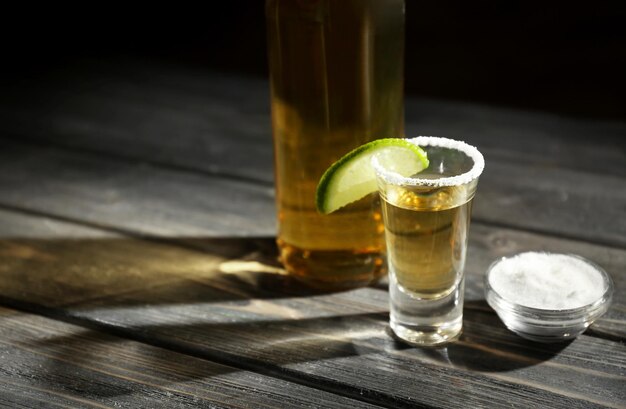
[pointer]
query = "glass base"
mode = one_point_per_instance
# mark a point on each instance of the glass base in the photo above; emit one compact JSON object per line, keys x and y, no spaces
{"x":424,"y":321}
{"x":427,"y":336}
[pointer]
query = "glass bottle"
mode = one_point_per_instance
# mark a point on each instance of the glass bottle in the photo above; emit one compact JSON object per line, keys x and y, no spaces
{"x":336,"y":74}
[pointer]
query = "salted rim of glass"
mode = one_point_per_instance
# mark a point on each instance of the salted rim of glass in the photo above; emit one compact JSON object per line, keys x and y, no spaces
{"x":463,"y":178}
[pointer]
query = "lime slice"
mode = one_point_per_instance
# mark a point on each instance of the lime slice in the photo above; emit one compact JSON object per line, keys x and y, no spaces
{"x":353,"y":177}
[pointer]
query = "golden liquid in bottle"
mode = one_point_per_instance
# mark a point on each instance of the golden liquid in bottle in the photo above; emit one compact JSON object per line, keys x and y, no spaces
{"x":336,"y":83}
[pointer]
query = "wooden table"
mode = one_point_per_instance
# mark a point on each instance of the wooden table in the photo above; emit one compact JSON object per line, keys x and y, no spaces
{"x":138,"y":266}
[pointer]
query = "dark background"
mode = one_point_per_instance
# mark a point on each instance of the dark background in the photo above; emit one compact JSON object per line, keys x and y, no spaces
{"x":563,"y":57}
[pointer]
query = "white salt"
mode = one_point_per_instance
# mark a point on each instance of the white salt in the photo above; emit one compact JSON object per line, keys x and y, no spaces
{"x":469,"y":150}
{"x":547,"y":281}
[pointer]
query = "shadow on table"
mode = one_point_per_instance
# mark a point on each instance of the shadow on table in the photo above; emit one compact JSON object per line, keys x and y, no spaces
{"x":223,"y":299}
{"x":267,"y":347}
{"x":100,"y":365}
{"x":486,"y":345}
{"x":226,"y":300}
{"x":64,"y":272}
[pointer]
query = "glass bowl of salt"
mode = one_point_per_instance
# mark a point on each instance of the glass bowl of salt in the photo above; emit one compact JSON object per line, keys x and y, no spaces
{"x":547,"y":297}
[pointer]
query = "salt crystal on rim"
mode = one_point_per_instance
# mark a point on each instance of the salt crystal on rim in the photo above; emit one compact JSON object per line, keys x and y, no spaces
{"x":467,"y":177}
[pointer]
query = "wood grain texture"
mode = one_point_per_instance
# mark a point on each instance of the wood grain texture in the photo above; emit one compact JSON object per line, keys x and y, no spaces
{"x":47,"y":363}
{"x":538,"y":139}
{"x":190,"y":118}
{"x":240,"y":311}
{"x":341,"y":342}
{"x":131,"y":196}
{"x":147,"y":199}
{"x":546,"y":173}
{"x":182,"y":207}
{"x":94,"y":105}
{"x":167,"y":175}
{"x":60,"y":262}
{"x":153,"y":113}
{"x":558,"y":202}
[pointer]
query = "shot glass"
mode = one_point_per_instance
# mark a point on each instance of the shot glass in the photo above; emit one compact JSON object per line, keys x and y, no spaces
{"x":426,"y":220}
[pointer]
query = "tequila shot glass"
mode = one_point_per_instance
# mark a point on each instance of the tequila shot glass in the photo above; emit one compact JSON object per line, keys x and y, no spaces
{"x":427,"y":218}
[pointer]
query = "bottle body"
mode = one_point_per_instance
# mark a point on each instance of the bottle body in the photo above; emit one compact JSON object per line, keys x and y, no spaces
{"x":336,"y":72}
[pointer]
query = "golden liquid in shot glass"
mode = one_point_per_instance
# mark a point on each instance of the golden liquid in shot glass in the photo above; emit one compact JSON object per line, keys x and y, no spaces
{"x":426,"y":233}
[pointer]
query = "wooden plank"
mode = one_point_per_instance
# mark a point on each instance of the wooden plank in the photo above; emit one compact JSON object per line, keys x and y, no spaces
{"x":352,"y":351}
{"x":114,"y":264}
{"x":322,"y":337}
{"x":201,"y":120}
{"x":131,"y":196}
{"x":538,"y":139}
{"x":524,"y":185}
{"x":186,"y":208}
{"x":149,"y":199}
{"x":343,"y":340}
{"x":148,"y":115}
{"x":47,"y":363}
{"x":354,"y":354}
{"x":185,"y":119}
{"x":242,"y":312}
{"x":18,"y":225}
{"x":554,"y":201}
